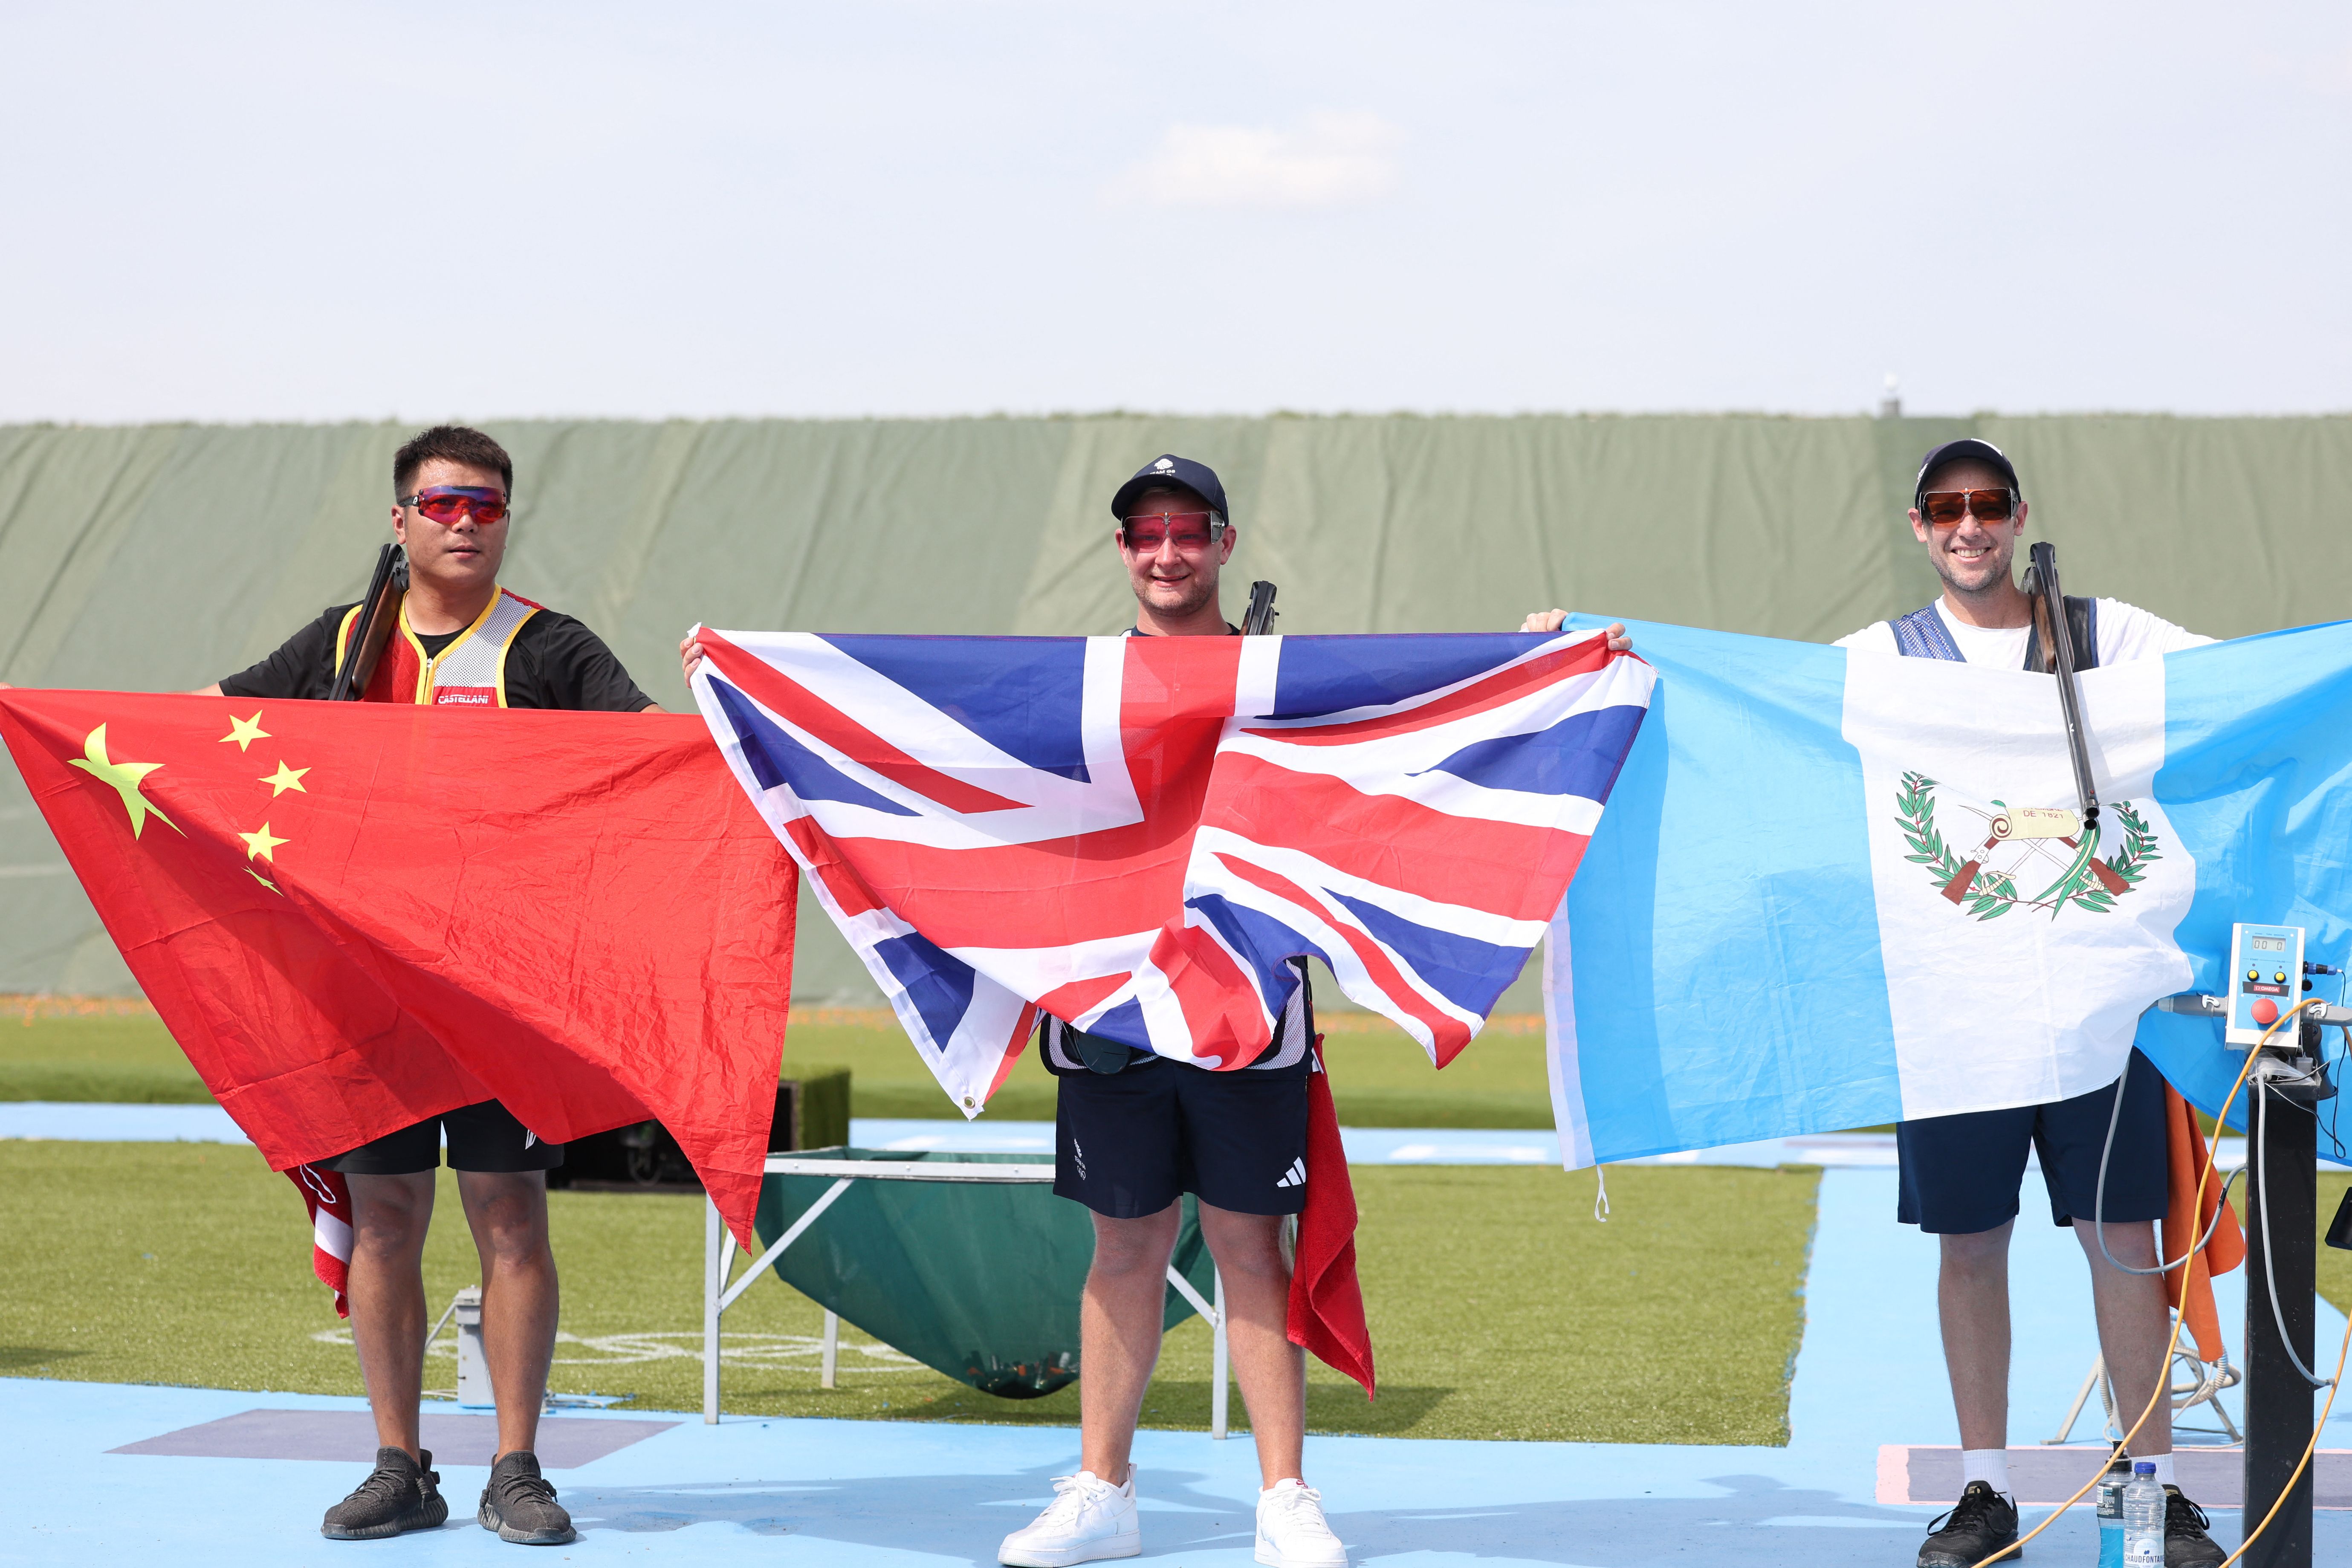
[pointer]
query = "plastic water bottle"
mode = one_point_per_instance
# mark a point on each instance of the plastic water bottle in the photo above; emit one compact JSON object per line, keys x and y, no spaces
{"x":2111,"y":1513}
{"x":2143,"y":1519}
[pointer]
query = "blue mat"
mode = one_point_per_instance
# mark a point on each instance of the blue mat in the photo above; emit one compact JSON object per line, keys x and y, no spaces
{"x":1869,"y":1375}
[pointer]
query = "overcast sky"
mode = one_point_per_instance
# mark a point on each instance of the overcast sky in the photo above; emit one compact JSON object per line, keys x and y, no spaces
{"x":318,"y":211}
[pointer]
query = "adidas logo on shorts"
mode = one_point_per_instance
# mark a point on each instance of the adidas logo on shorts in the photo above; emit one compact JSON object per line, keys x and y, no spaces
{"x":1296,"y":1176}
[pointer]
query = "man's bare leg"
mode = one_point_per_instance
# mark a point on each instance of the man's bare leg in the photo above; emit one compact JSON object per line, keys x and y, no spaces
{"x":508,"y":1214}
{"x":386,"y":1295}
{"x":2134,"y":1326}
{"x":1118,"y":1333}
{"x":1972,"y":1301}
{"x":1271,"y":1370}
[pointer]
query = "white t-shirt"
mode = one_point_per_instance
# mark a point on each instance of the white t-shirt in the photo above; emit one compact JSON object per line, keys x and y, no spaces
{"x":2126,"y":632}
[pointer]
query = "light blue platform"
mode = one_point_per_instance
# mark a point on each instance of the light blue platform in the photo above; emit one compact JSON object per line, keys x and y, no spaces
{"x":826,"y":1492}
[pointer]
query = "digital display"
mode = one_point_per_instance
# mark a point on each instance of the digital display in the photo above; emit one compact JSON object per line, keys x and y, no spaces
{"x":2268,"y":943}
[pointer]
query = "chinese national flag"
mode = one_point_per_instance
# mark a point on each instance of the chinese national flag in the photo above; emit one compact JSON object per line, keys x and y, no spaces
{"x":352,"y":916}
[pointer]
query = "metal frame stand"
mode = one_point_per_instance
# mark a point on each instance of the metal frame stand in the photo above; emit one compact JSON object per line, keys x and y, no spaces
{"x":720,"y":1291}
{"x":2204,"y":1387}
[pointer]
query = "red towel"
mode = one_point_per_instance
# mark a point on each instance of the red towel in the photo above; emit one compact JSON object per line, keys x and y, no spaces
{"x":1327,"y":1300}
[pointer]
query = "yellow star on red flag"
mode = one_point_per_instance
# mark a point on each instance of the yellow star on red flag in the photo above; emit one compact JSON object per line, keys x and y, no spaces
{"x":125,"y":777}
{"x":260,"y":843}
{"x":284,"y":779}
{"x":245,"y":731}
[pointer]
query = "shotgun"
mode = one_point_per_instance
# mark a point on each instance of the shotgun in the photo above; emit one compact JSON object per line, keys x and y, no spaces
{"x":378,"y":614}
{"x":2058,"y":638}
{"x":1262,"y":613}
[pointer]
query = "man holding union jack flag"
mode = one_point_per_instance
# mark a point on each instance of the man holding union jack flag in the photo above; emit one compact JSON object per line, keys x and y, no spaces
{"x":1136,"y":838}
{"x":1134,"y":1132}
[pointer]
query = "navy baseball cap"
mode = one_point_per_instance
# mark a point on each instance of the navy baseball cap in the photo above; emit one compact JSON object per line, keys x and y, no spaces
{"x":1967,"y":448}
{"x":1171,"y":471}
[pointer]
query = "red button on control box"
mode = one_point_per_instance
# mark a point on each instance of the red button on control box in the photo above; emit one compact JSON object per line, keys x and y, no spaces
{"x":2265,"y":1012}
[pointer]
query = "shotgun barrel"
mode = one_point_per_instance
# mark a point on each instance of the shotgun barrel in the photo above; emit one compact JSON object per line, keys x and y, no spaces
{"x":2058,"y":637}
{"x":378,"y":613}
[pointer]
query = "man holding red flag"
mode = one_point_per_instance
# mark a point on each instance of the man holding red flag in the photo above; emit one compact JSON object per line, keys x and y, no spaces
{"x":461,"y":639}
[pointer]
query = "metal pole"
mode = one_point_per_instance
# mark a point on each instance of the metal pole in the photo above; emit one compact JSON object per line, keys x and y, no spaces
{"x":712,"y":1228}
{"x":832,"y":1351}
{"x":2281,"y":1203}
{"x":1217,"y":1363}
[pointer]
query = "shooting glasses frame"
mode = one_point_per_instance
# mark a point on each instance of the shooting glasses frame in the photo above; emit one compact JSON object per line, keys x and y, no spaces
{"x":720,"y":1291}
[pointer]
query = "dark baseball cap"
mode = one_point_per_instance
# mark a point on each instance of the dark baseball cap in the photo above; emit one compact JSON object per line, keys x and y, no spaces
{"x":1169,"y":471}
{"x":1967,"y":448}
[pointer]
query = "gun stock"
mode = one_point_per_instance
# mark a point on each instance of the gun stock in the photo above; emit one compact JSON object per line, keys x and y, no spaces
{"x":1262,"y":613}
{"x":378,"y":614}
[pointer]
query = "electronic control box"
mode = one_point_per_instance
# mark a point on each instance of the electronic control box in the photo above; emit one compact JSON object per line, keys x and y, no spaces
{"x":2266,"y":982}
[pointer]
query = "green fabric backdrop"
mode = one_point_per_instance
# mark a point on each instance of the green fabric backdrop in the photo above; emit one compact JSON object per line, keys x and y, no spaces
{"x":150,"y":558}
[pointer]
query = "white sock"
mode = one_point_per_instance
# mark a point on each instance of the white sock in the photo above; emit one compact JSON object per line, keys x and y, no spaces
{"x":2164,"y":1475}
{"x":1990,"y":1466}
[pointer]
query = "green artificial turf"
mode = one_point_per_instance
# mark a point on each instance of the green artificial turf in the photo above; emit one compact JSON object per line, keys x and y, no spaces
{"x":1379,"y":1077}
{"x":1499,"y":1307}
{"x":104,"y":1057}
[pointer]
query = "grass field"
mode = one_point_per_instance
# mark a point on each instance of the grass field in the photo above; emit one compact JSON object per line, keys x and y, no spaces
{"x":1499,"y":1308}
{"x":1676,"y":1322}
{"x":102,"y":1051}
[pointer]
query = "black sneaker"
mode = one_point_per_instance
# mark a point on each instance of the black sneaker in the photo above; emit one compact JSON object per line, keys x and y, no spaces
{"x":399,"y":1494}
{"x":520,"y":1506}
{"x":2186,"y":1545}
{"x":1981,"y":1523}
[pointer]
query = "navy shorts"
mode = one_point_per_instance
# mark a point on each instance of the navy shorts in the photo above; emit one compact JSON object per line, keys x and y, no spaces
{"x":1961,"y":1175}
{"x":1127,"y":1144}
{"x":484,"y":1136}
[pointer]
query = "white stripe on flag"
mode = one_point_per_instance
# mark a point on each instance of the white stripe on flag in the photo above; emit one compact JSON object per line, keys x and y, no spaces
{"x":2001,"y":1001}
{"x":1559,"y":1018}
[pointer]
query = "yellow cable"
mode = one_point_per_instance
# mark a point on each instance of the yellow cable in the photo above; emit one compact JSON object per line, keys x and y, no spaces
{"x":2163,"y":1389}
{"x":2307,"y":1449}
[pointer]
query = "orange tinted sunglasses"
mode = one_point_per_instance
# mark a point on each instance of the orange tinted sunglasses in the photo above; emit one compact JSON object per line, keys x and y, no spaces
{"x":1946,"y":508}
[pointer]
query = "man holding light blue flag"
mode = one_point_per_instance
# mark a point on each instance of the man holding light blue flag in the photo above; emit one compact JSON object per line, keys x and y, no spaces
{"x":1839,"y":887}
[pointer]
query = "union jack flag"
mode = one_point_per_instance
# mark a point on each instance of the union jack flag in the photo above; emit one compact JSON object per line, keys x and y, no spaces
{"x":1134,"y":833}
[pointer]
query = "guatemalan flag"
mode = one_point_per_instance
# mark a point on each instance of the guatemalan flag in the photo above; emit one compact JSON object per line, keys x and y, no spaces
{"x":1818,"y":900}
{"x":1134,"y":833}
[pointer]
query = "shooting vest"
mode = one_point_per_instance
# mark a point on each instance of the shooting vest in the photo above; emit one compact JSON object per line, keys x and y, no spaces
{"x":472,"y":673}
{"x":1923,"y":635}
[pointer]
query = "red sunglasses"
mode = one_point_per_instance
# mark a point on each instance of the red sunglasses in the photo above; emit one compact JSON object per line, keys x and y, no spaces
{"x":1945,"y":508}
{"x":1193,"y":531}
{"x":447,"y":503}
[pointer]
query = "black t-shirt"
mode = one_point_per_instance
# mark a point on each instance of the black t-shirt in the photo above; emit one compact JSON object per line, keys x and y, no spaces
{"x":555,"y":662}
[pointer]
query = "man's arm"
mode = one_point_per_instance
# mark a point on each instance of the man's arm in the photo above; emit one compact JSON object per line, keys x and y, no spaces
{"x":278,"y":676}
{"x":303,"y":666}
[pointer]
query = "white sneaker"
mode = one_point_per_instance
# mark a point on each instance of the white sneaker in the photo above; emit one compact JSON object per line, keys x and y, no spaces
{"x":1088,"y":1519}
{"x":1291,"y":1531}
